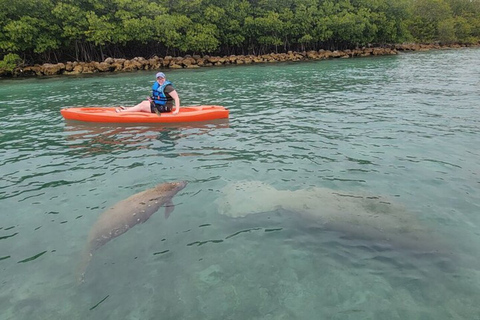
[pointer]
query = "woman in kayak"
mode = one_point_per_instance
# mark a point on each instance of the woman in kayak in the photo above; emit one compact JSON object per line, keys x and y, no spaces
{"x":163,"y":96}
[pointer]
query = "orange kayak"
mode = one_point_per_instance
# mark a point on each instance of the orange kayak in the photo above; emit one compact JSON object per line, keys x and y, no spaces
{"x":186,"y":114}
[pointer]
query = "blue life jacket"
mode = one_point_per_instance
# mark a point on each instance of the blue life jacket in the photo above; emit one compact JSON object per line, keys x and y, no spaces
{"x":158,"y":94}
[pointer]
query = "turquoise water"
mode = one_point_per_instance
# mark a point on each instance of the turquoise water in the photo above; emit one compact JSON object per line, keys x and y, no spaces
{"x":403,"y":128}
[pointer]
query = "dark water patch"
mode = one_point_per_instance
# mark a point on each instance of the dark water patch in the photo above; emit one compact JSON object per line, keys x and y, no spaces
{"x":135,"y":165}
{"x":351,"y":311}
{"x":99,"y":302}
{"x":36,"y":175}
{"x":59,"y":183}
{"x":42,"y":186}
{"x":4,"y":258}
{"x":242,"y":231}
{"x":400,"y":265}
{"x":9,"y":236}
{"x":359,"y":170}
{"x":29,"y":197}
{"x":9,"y":228}
{"x":201,"y":243}
{"x":196,"y":193}
{"x":161,"y":252}
{"x":204,"y":225}
{"x":359,"y":161}
{"x":345,"y":180}
{"x":52,"y":212}
{"x":78,"y":217}
{"x":347,"y":195}
{"x":37,"y":228}
{"x":273,"y":229}
{"x":442,"y":162}
{"x":33,"y":257}
{"x":65,"y":221}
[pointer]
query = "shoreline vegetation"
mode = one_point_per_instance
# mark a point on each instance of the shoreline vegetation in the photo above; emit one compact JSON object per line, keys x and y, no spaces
{"x":197,"y":61}
{"x":38,"y":37}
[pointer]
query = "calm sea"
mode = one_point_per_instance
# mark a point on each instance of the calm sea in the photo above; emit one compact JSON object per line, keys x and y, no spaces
{"x":340,"y":189}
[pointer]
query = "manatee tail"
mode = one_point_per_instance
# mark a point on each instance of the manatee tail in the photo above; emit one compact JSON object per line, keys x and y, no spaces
{"x":83,"y":265}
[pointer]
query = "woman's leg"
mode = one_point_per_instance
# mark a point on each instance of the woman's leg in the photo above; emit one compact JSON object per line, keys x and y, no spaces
{"x":143,"y":106}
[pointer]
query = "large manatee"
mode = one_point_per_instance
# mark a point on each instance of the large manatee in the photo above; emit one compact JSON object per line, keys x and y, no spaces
{"x":126,"y":214}
{"x":353,"y":215}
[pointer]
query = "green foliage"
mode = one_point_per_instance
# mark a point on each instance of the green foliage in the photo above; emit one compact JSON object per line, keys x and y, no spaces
{"x":430,"y":20}
{"x":268,"y":29}
{"x":30,"y":33}
{"x":10,"y":62}
{"x":355,"y":28}
{"x":201,"y":38}
{"x":446,"y":30}
{"x":72,"y":19}
{"x":170,"y":30}
{"x":100,"y":30}
{"x":91,"y":29}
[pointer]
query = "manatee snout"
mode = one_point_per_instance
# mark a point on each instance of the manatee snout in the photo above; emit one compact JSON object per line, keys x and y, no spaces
{"x":181,"y":184}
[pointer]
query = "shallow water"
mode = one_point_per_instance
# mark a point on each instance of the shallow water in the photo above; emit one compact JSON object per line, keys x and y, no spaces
{"x":404,"y":128}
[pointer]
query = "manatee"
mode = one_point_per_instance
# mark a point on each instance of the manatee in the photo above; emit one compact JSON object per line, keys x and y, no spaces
{"x":126,"y":214}
{"x":354,"y":216}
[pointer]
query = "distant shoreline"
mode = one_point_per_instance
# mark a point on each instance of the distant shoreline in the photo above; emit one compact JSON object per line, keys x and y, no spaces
{"x":111,"y":65}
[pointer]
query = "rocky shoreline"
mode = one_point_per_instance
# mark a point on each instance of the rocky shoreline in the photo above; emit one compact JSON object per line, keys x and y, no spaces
{"x":196,"y":61}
